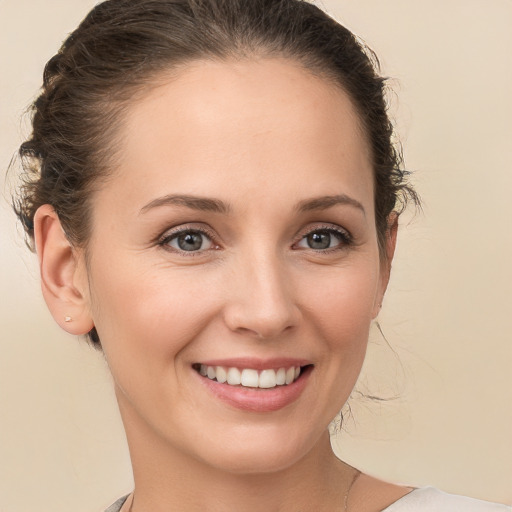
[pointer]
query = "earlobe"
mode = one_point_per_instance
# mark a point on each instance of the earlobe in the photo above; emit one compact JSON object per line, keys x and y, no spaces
{"x":63,"y":290}
{"x":386,"y":260}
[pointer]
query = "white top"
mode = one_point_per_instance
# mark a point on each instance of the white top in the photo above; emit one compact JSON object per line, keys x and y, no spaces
{"x":426,"y":499}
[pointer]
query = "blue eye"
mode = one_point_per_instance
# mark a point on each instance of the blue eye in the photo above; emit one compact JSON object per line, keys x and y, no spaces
{"x":189,"y":241}
{"x":322,"y":239}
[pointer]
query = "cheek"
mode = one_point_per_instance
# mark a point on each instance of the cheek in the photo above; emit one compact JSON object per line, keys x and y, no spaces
{"x":145,"y":322}
{"x":341,"y":301}
{"x":146,"y":313}
{"x":337,"y":305}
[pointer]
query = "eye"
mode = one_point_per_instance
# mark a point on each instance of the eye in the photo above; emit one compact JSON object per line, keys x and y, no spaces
{"x":322,"y":239}
{"x":188,"y":240}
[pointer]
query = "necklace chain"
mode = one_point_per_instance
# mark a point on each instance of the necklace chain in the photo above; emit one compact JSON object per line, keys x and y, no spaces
{"x":345,"y":498}
{"x":345,"y":501}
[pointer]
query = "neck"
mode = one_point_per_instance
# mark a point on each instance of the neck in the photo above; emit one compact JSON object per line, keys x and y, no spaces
{"x":167,"y":480}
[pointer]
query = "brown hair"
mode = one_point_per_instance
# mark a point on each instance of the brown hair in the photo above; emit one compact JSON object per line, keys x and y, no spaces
{"x":122,"y":45}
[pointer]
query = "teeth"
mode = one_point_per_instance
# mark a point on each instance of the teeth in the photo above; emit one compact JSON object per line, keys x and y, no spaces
{"x":247,"y":377}
{"x":268,"y":379}
{"x":234,"y":377}
{"x":221,"y":374}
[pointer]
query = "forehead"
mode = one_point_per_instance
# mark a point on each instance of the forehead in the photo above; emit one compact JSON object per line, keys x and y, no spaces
{"x":220,"y":127}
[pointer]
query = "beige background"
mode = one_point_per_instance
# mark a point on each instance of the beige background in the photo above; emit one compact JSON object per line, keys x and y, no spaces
{"x":447,"y":313}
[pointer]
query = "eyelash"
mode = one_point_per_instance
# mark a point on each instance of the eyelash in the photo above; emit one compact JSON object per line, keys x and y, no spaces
{"x":165,"y":240}
{"x":343,"y":236}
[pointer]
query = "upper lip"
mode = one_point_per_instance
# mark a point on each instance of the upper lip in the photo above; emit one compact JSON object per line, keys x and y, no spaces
{"x":257,"y":363}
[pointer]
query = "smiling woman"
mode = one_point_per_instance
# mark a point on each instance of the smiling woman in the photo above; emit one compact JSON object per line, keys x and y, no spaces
{"x":213,"y":193}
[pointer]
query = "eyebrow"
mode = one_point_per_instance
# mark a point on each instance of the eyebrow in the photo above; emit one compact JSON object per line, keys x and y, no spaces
{"x":217,"y":206}
{"x":325,"y":202}
{"x":204,"y":204}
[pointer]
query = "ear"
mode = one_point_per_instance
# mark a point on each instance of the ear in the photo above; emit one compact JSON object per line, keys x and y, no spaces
{"x":386,"y":260}
{"x":63,"y":282}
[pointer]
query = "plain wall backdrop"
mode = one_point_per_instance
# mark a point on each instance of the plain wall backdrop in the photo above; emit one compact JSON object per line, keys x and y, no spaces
{"x":446,"y":314}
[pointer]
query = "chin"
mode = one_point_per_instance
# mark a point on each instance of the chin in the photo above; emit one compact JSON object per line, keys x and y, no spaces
{"x":260,"y":452}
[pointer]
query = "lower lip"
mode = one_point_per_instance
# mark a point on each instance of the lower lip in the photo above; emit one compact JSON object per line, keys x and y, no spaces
{"x":257,"y":399}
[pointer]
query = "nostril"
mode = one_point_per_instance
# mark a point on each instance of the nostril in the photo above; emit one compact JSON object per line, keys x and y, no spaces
{"x":262,"y":327}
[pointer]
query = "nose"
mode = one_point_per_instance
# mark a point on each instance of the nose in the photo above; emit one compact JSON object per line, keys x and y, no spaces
{"x":262,"y":302}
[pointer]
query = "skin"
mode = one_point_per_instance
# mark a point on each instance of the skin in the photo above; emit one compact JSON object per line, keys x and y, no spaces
{"x":267,"y":139}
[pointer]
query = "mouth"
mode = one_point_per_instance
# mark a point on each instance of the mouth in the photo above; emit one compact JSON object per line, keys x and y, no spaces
{"x":255,"y":386}
{"x":268,"y":378}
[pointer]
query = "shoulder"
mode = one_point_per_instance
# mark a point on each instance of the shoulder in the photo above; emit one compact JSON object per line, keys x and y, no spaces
{"x":430,"y":499}
{"x":116,"y":507}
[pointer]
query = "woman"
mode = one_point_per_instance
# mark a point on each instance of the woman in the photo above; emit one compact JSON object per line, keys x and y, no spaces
{"x":214,"y":200}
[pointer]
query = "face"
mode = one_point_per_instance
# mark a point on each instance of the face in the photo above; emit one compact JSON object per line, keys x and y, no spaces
{"x":236,"y":238}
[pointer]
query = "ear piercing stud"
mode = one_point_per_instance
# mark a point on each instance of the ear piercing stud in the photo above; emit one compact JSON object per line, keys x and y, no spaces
{"x":67,"y":319}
